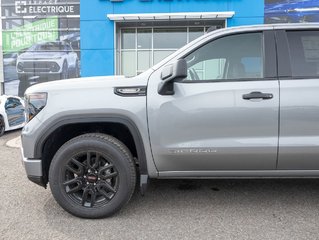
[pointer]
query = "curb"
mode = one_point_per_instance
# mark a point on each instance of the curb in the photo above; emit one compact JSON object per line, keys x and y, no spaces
{"x":14,"y":143}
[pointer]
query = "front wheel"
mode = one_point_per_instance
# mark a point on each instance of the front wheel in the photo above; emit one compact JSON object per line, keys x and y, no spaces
{"x":92,"y":176}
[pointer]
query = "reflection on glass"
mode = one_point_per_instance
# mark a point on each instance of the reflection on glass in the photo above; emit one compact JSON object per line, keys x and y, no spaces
{"x":168,"y":38}
{"x":128,"y":63}
{"x":128,"y":38}
{"x":159,"y":55}
{"x":144,"y":38}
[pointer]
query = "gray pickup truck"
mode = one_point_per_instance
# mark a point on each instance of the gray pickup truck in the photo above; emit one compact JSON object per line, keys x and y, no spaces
{"x":235,"y":103}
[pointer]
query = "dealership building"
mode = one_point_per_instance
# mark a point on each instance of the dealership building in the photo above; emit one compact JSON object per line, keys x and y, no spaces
{"x":127,"y":37}
{"x":123,"y":37}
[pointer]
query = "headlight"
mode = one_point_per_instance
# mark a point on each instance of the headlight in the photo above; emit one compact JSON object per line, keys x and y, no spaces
{"x":34,"y":103}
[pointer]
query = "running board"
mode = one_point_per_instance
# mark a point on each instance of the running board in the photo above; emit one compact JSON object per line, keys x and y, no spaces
{"x":241,"y":174}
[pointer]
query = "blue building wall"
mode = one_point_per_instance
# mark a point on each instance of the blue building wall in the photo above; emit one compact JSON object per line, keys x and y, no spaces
{"x":97,"y":31}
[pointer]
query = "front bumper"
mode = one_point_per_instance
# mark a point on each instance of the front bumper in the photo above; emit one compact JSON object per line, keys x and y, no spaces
{"x":33,"y":168}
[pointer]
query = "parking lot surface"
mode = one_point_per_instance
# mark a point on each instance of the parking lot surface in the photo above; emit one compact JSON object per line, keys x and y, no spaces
{"x":171,"y":209}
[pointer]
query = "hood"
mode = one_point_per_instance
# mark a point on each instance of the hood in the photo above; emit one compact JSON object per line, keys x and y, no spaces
{"x":88,"y":83}
{"x":40,"y":55}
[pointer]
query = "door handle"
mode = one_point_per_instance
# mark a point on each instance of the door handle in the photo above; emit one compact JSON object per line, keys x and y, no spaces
{"x":257,"y":95}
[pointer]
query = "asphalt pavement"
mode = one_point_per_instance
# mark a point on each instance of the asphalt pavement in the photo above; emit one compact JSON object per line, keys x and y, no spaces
{"x":171,"y":209}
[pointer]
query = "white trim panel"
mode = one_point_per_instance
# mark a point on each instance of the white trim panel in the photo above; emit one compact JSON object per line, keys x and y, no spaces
{"x":171,"y":16}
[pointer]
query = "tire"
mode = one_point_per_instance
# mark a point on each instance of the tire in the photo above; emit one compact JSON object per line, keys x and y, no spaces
{"x":2,"y":126}
{"x":92,"y":176}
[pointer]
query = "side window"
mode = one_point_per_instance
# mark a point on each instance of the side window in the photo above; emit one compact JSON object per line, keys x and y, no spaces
{"x":13,"y":103}
{"x":10,"y":103}
{"x":304,"y":53}
{"x":17,"y":103}
{"x":232,"y":57}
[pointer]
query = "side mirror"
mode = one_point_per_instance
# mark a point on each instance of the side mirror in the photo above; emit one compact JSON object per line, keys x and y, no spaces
{"x":170,"y":74}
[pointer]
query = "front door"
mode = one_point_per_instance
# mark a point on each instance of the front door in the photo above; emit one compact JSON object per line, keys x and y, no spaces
{"x":224,"y":115}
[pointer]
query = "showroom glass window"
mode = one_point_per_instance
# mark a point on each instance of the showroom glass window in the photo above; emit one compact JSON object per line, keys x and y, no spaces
{"x":304,"y":53}
{"x":141,"y":48}
{"x":231,"y":57}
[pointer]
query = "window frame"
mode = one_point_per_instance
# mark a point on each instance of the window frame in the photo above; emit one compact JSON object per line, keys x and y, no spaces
{"x":119,"y":49}
{"x":269,"y":58}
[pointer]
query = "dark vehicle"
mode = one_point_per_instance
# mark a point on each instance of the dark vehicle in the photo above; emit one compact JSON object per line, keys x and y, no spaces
{"x":45,"y":62}
{"x":293,"y":11}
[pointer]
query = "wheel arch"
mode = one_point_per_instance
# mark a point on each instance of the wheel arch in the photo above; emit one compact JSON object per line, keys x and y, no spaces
{"x":46,"y":139}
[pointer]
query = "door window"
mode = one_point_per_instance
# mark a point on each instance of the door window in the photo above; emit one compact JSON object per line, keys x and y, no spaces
{"x":12,"y":103}
{"x":304,"y":53}
{"x":232,"y":57}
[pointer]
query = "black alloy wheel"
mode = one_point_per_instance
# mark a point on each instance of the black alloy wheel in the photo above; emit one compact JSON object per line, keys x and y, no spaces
{"x":90,"y":179}
{"x":92,"y":175}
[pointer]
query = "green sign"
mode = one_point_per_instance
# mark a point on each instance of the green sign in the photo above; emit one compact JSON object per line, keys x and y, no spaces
{"x":23,"y":37}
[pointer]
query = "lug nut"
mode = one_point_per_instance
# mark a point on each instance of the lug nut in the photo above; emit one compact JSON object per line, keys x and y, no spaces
{"x":87,"y":183}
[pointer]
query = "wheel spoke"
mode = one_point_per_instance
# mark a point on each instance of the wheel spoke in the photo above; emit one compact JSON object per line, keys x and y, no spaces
{"x":80,"y":167}
{"x":77,"y":188}
{"x":72,"y":181}
{"x":93,"y":162}
{"x":85,"y":196}
{"x":109,"y":175}
{"x":105,"y":185}
{"x":103,"y":169}
{"x":104,"y":194}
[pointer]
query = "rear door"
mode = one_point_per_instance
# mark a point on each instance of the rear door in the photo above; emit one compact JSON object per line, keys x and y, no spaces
{"x":298,"y":59}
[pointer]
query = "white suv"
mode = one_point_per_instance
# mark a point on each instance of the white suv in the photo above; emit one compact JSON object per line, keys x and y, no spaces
{"x":49,"y":61}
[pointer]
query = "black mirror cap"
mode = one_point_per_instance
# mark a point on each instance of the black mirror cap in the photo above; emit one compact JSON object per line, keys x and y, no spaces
{"x":175,"y":71}
{"x":170,"y":74}
{"x":167,"y":72}
{"x":180,"y":69}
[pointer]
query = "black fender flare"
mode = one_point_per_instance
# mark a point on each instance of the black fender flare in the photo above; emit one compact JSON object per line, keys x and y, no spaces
{"x":95,"y":118}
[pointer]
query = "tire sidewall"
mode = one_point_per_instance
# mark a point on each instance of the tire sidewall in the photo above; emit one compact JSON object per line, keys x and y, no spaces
{"x":119,"y":160}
